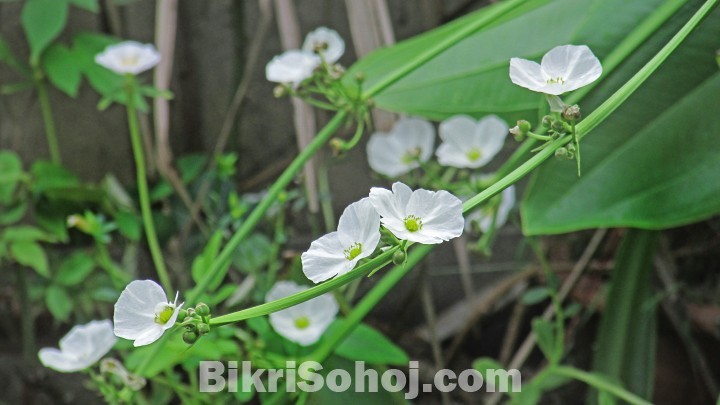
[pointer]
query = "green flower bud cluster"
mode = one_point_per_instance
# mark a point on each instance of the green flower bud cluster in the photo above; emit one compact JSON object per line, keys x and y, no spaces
{"x":196,"y":322}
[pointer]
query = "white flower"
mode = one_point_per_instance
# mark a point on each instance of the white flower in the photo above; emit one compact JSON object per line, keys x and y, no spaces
{"x":563,"y":68}
{"x":325,"y":41}
{"x":470,"y":143}
{"x":128,"y":57}
{"x":143,"y":312}
{"x":421,"y":216}
{"x":410,"y":142}
{"x":82,"y":347}
{"x":483,"y":216}
{"x":337,"y":253}
{"x":303,"y":323}
{"x":292,"y":67}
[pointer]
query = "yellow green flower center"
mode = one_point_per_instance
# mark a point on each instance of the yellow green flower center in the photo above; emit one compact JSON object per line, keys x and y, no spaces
{"x":413,"y":223}
{"x":411,"y":155}
{"x":129,"y":61}
{"x":302,"y":322}
{"x":164,"y":316}
{"x":474,"y":154}
{"x":353,"y":251}
{"x":555,"y":80}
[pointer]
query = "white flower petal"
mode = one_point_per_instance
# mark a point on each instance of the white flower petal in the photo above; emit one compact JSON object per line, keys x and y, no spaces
{"x":325,"y":259}
{"x":129,"y":57}
{"x":81,"y":347}
{"x":134,"y":316}
{"x":464,"y":137}
{"x":438,"y":212}
{"x":490,"y":135}
{"x":360,"y":223}
{"x":416,"y":133}
{"x":329,"y":39}
{"x":449,"y":154}
{"x":385,"y":155}
{"x":318,"y":312}
{"x":527,"y":74}
{"x":292,"y":67}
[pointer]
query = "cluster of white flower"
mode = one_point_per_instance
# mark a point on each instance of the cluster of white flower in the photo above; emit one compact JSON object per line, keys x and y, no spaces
{"x":421,"y":216}
{"x":466,"y":143}
{"x":294,"y":66}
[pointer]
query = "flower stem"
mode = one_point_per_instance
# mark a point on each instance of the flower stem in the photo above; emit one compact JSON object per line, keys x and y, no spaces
{"x":277,"y":305}
{"x":49,"y":122}
{"x":544,"y":138}
{"x":144,"y":195}
{"x":218,"y":265}
{"x":599,"y":383}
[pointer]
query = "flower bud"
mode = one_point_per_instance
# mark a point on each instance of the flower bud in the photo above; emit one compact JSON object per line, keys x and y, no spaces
{"x":558,"y":127}
{"x":202,"y":309}
{"x":571,"y":147}
{"x":399,"y":257}
{"x":190,"y":337}
{"x":280,"y":91}
{"x":517,"y":133}
{"x":547,"y":122}
{"x":203,"y":329}
{"x":182,"y":313}
{"x":561,"y":153}
{"x":571,"y":112}
{"x":524,"y":126}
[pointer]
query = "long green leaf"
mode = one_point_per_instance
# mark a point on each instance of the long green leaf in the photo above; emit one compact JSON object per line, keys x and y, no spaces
{"x":626,"y":338}
{"x":652,"y":165}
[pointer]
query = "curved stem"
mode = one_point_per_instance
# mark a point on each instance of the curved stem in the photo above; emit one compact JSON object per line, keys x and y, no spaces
{"x":600,"y":384}
{"x":144,"y":195}
{"x":277,"y":305}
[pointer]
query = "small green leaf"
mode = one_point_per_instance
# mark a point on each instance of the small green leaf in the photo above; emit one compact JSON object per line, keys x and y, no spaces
{"x":545,"y":334}
{"x":369,"y":345}
{"x":25,"y":233}
{"x":32,"y":255}
{"x":129,"y":225}
{"x":62,"y":68}
{"x":191,"y":166}
{"x":58,"y":302}
{"x":535,"y":295}
{"x":43,"y":21}
{"x":74,"y":269}
{"x":13,"y":213}
{"x":10,"y":174}
{"x":202,"y":263}
{"x":8,"y":57}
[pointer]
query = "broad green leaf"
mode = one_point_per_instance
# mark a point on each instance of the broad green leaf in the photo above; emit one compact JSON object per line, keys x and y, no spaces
{"x":25,"y":233}
{"x":86,"y":46}
{"x":654,"y":163}
{"x":43,"y":21}
{"x":61,"y":66}
{"x":13,"y":213}
{"x":74,"y":269}
{"x":10,"y":174}
{"x":89,"y":5}
{"x":472,"y":76}
{"x":626,"y":338}
{"x":58,"y":302}
{"x":49,"y":176}
{"x":368,"y":345}
{"x":32,"y":255}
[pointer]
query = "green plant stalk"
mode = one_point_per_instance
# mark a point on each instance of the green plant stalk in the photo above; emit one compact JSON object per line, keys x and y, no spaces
{"x":144,"y":195}
{"x":599,"y":383}
{"x":257,"y":214}
{"x":277,"y":305}
{"x":49,"y":122}
{"x":497,"y":11}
